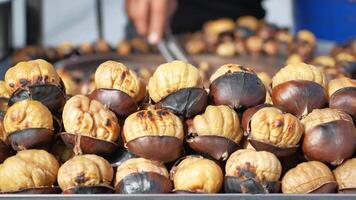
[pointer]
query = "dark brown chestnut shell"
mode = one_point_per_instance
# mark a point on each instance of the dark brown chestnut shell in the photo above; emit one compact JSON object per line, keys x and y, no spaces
{"x":299,"y":97}
{"x":326,"y":188}
{"x":99,"y":189}
{"x":119,"y":156}
{"x":277,"y":151}
{"x":347,"y":191}
{"x":118,"y":101}
{"x":39,"y":190}
{"x":344,"y":99}
{"x":247,"y":183}
{"x":88,"y":145}
{"x":247,"y":115}
{"x":160,"y":148}
{"x":5,"y":151}
{"x":330,"y":142}
{"x":219,"y":148}
{"x":186,"y":102}
{"x":144,"y":183}
{"x":31,"y":138}
{"x":52,"y":96}
{"x":238,"y":90}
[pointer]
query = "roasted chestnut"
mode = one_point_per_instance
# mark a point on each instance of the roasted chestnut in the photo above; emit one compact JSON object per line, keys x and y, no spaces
{"x":4,"y":97}
{"x":270,"y":47}
{"x":249,"y":171}
{"x":123,"y":48}
{"x":306,"y":36}
{"x":118,"y":87}
{"x":29,"y":171}
{"x":324,"y":61}
{"x":269,"y":129}
{"x":86,"y":174}
{"x":147,"y":132}
{"x":342,"y":95}
{"x":345,"y":176}
{"x":5,"y":150}
{"x":195,"y":46}
{"x":28,"y":124}
{"x":254,"y":45}
{"x":37,"y":80}
{"x":226,"y":49}
{"x":101,"y":46}
{"x":247,"y":114}
{"x":294,"y":59}
{"x":177,"y":86}
{"x":249,"y":22}
{"x":309,"y":177}
{"x":213,"y":30}
{"x":299,"y":88}
{"x":90,"y":126}
{"x":139,"y":45}
{"x":195,"y":174}
{"x":216,"y":132}
{"x":142,"y":176}
{"x":65,"y":49}
{"x":330,"y":136}
{"x":85,"y":48}
{"x":71,"y":87}
{"x":237,"y":87}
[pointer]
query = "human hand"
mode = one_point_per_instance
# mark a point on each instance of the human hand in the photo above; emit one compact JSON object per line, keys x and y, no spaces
{"x":151,"y":17}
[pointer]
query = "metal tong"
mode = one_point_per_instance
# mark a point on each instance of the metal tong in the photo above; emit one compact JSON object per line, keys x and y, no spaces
{"x":171,"y":50}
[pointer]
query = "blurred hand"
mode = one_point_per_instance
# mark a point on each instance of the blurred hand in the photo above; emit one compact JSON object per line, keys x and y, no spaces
{"x":151,"y":17}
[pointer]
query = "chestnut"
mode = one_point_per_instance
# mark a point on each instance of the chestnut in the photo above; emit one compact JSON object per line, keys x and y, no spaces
{"x":91,"y":128}
{"x":4,"y":97}
{"x":294,"y":59}
{"x":5,"y":150}
{"x":247,"y":114}
{"x":195,"y":46}
{"x":237,"y":87}
{"x":118,"y":87}
{"x":147,"y":132}
{"x":71,"y":87}
{"x":240,"y":47}
{"x":309,"y":177}
{"x":299,"y":88}
{"x":139,"y":45}
{"x":330,"y":136}
{"x":86,"y":174}
{"x":342,"y":95}
{"x":226,"y":49}
{"x":267,"y":31}
{"x":29,"y":171}
{"x":254,"y":45}
{"x":142,"y":176}
{"x":213,"y":30}
{"x":345,"y":176}
{"x":101,"y":46}
{"x":306,"y":36}
{"x":269,"y":129}
{"x":249,"y":22}
{"x":85,"y":48}
{"x":65,"y":49}
{"x":216,"y":132}
{"x":324,"y":61}
{"x":123,"y":48}
{"x":28,"y":124}
{"x":177,"y":86}
{"x":195,"y":174}
{"x":37,"y":80}
{"x":249,"y":171}
{"x":266,"y":80}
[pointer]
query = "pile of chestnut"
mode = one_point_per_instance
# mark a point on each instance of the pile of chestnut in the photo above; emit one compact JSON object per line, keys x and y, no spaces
{"x":248,"y":35}
{"x":175,"y":136}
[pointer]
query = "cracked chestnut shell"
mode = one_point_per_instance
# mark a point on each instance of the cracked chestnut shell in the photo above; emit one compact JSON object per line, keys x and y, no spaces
{"x":269,"y":129}
{"x":299,"y":88}
{"x":204,"y":175}
{"x":309,"y":177}
{"x":86,"y":174}
{"x":31,"y":171}
{"x":345,"y":176}
{"x":37,"y":80}
{"x":249,"y":171}
{"x":90,"y":126}
{"x":216,"y":132}
{"x":147,"y":132}
{"x":330,"y":136}
{"x":342,"y":95}
{"x":118,"y":87}
{"x":28,"y":124}
{"x":142,"y":176}
{"x":236,"y":86}
{"x":177,"y":86}
{"x":247,"y":114}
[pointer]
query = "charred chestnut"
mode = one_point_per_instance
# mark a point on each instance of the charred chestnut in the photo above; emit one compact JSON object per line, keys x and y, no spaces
{"x":177,"y":86}
{"x":342,"y":95}
{"x":204,"y":176}
{"x":90,"y":126}
{"x":37,"y":80}
{"x":249,"y":171}
{"x":330,"y":136}
{"x":216,"y":132}
{"x":299,"y":88}
{"x":237,"y":87}
{"x":269,"y":129}
{"x":118,"y":87}
{"x":28,"y":124}
{"x":147,"y":132}
{"x":309,"y":177}
{"x":29,"y":171}
{"x":345,"y":176}
{"x":86,"y":174}
{"x":226,"y":49}
{"x":142,"y":176}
